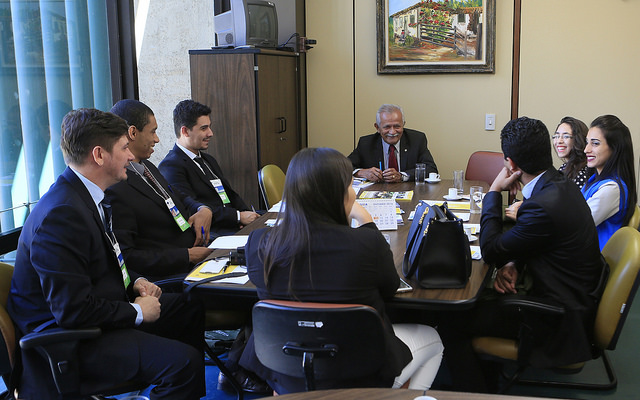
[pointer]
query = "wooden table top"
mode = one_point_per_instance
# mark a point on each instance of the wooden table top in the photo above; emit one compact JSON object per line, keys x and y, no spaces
{"x":394,"y":394}
{"x":418,"y":297}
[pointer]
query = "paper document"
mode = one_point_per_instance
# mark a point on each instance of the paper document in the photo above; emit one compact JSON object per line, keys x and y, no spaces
{"x":197,"y":274}
{"x":229,"y":242}
{"x":276,"y":207}
{"x":383,"y":212}
{"x":475,"y":252}
{"x":214,"y":266}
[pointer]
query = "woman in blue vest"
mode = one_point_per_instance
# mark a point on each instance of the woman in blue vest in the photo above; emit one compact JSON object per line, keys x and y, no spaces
{"x":611,"y":191}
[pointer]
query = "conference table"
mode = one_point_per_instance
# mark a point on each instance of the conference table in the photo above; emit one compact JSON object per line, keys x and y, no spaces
{"x":395,"y":394}
{"x":418,"y":298}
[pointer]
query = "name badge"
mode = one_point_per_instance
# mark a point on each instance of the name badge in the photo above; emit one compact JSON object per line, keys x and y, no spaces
{"x":175,"y":213}
{"x":217,"y":184}
{"x":123,"y":268}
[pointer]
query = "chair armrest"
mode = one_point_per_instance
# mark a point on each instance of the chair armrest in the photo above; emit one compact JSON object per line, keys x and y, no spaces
{"x":57,"y":335}
{"x":530,"y":303}
{"x":60,"y":347}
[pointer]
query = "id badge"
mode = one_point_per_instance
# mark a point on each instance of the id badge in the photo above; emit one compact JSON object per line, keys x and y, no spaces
{"x":175,"y":213}
{"x":217,"y":184}
{"x":123,"y":268}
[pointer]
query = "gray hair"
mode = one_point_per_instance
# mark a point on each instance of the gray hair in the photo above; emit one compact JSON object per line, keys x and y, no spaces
{"x":389,"y":108}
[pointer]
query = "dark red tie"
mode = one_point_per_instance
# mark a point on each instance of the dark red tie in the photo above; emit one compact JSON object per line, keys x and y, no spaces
{"x":393,"y":161}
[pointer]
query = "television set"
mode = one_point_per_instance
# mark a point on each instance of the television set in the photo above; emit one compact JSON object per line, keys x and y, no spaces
{"x":245,"y":23}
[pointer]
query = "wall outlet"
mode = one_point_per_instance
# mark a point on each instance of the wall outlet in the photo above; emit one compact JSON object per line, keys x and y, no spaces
{"x":490,"y":122}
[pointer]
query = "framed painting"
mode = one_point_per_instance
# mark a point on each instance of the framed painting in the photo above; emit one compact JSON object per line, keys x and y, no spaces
{"x":436,"y":36}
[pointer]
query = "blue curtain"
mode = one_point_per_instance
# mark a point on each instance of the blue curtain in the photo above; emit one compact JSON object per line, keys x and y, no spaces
{"x":53,"y":57}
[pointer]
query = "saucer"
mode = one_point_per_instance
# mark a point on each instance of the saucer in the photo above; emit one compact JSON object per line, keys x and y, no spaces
{"x":446,"y":197}
{"x":432,"y":180}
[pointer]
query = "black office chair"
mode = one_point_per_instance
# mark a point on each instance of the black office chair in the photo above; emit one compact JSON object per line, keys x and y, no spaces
{"x":317,"y":341}
{"x":622,"y":253}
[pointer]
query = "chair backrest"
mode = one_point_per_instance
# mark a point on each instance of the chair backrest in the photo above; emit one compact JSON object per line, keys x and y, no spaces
{"x":271,"y":181}
{"x":6,"y":325}
{"x":484,"y":166}
{"x":355,"y":331}
{"x":634,"y":222}
{"x":622,"y":253}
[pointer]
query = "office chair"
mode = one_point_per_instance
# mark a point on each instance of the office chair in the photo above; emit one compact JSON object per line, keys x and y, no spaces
{"x":622,"y":253}
{"x":271,"y":181}
{"x":59,"y":345}
{"x":634,"y":222}
{"x":317,"y":341}
{"x":484,"y":166}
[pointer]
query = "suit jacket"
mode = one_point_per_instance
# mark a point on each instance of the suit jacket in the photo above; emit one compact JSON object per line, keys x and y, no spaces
{"x":184,"y":174}
{"x":65,"y":266}
{"x":413,"y":149}
{"x":348,"y":266}
{"x":151,"y":241}
{"x":66,"y":273}
{"x":556,"y":239}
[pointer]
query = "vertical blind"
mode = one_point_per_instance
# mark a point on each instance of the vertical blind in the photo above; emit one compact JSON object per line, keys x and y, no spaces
{"x":54,"y":57}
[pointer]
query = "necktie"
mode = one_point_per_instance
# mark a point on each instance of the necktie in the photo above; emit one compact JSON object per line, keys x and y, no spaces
{"x":106,"y":208}
{"x":152,"y":180}
{"x":393,"y":161}
{"x":205,"y":168}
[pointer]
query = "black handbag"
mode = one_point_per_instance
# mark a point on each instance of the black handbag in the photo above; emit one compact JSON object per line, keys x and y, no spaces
{"x":438,"y":250}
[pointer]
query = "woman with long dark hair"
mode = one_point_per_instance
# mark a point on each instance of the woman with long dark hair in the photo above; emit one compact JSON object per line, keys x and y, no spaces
{"x":313,"y":254}
{"x":611,"y":191}
{"x":569,"y":141}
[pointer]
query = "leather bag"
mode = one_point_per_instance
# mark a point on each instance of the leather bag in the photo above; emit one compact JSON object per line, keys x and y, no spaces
{"x":438,"y":252}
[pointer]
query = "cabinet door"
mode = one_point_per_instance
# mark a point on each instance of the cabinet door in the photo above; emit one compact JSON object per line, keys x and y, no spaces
{"x":278,"y":121}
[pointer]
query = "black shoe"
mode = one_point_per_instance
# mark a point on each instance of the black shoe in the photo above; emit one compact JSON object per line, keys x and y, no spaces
{"x":249,"y":383}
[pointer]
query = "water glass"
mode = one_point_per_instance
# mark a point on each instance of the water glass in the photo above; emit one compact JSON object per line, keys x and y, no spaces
{"x":458,"y":180}
{"x":475,"y":199}
{"x":421,"y":171}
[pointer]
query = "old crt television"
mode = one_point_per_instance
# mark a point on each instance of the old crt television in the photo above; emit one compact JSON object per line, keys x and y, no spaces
{"x":245,"y":23}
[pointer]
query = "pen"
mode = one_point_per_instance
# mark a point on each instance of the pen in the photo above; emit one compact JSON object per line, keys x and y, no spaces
{"x":204,"y":240}
{"x":224,"y":269}
{"x":380,"y":164}
{"x":254,"y":210}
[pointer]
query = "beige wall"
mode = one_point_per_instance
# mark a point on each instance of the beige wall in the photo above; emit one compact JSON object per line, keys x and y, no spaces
{"x":575,"y":60}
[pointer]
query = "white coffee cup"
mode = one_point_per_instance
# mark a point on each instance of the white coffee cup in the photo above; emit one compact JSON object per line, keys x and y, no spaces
{"x":453,"y":193}
{"x":434,"y":176}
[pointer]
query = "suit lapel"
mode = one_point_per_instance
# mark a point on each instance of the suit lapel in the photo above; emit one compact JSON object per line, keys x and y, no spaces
{"x":191,"y":166}
{"x":84,"y":195}
{"x":404,"y":152}
{"x":139,"y":184}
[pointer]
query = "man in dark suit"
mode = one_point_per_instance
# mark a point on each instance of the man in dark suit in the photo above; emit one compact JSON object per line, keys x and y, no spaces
{"x":69,"y":273}
{"x":391,"y":154}
{"x":198,"y":174}
{"x":554,"y":244}
{"x":161,"y":230}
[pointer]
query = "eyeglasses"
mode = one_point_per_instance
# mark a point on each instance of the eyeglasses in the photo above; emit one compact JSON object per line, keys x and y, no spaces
{"x":564,"y":136}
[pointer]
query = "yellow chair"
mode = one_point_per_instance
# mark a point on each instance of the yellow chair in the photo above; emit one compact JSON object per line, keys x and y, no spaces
{"x":634,"y":222}
{"x":271,"y":181}
{"x":622,"y":253}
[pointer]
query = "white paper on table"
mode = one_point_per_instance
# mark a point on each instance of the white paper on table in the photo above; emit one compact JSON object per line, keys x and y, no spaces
{"x":271,"y":222}
{"x":475,"y":252}
{"x":473,"y":228}
{"x":214,"y":266}
{"x":229,"y":242}
{"x":383,"y":212}
{"x":276,"y":207}
{"x":462,"y":216}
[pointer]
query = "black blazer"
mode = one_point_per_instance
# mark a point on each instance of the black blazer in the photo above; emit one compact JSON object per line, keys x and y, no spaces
{"x":151,"y":242}
{"x":413,"y":149}
{"x":556,"y":239}
{"x":348,"y":266}
{"x":184,"y":174}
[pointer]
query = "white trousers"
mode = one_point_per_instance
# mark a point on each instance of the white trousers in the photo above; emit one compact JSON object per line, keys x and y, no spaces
{"x":426,"y":348}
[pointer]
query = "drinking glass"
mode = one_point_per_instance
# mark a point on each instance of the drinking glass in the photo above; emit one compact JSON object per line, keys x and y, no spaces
{"x":475,"y":199}
{"x":458,"y":180}
{"x":421,"y":171}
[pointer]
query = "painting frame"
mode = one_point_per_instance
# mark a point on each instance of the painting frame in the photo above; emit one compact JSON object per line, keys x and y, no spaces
{"x":418,"y":62}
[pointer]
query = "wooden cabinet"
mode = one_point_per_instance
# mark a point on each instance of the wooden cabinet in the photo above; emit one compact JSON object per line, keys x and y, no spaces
{"x":257,"y":110}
